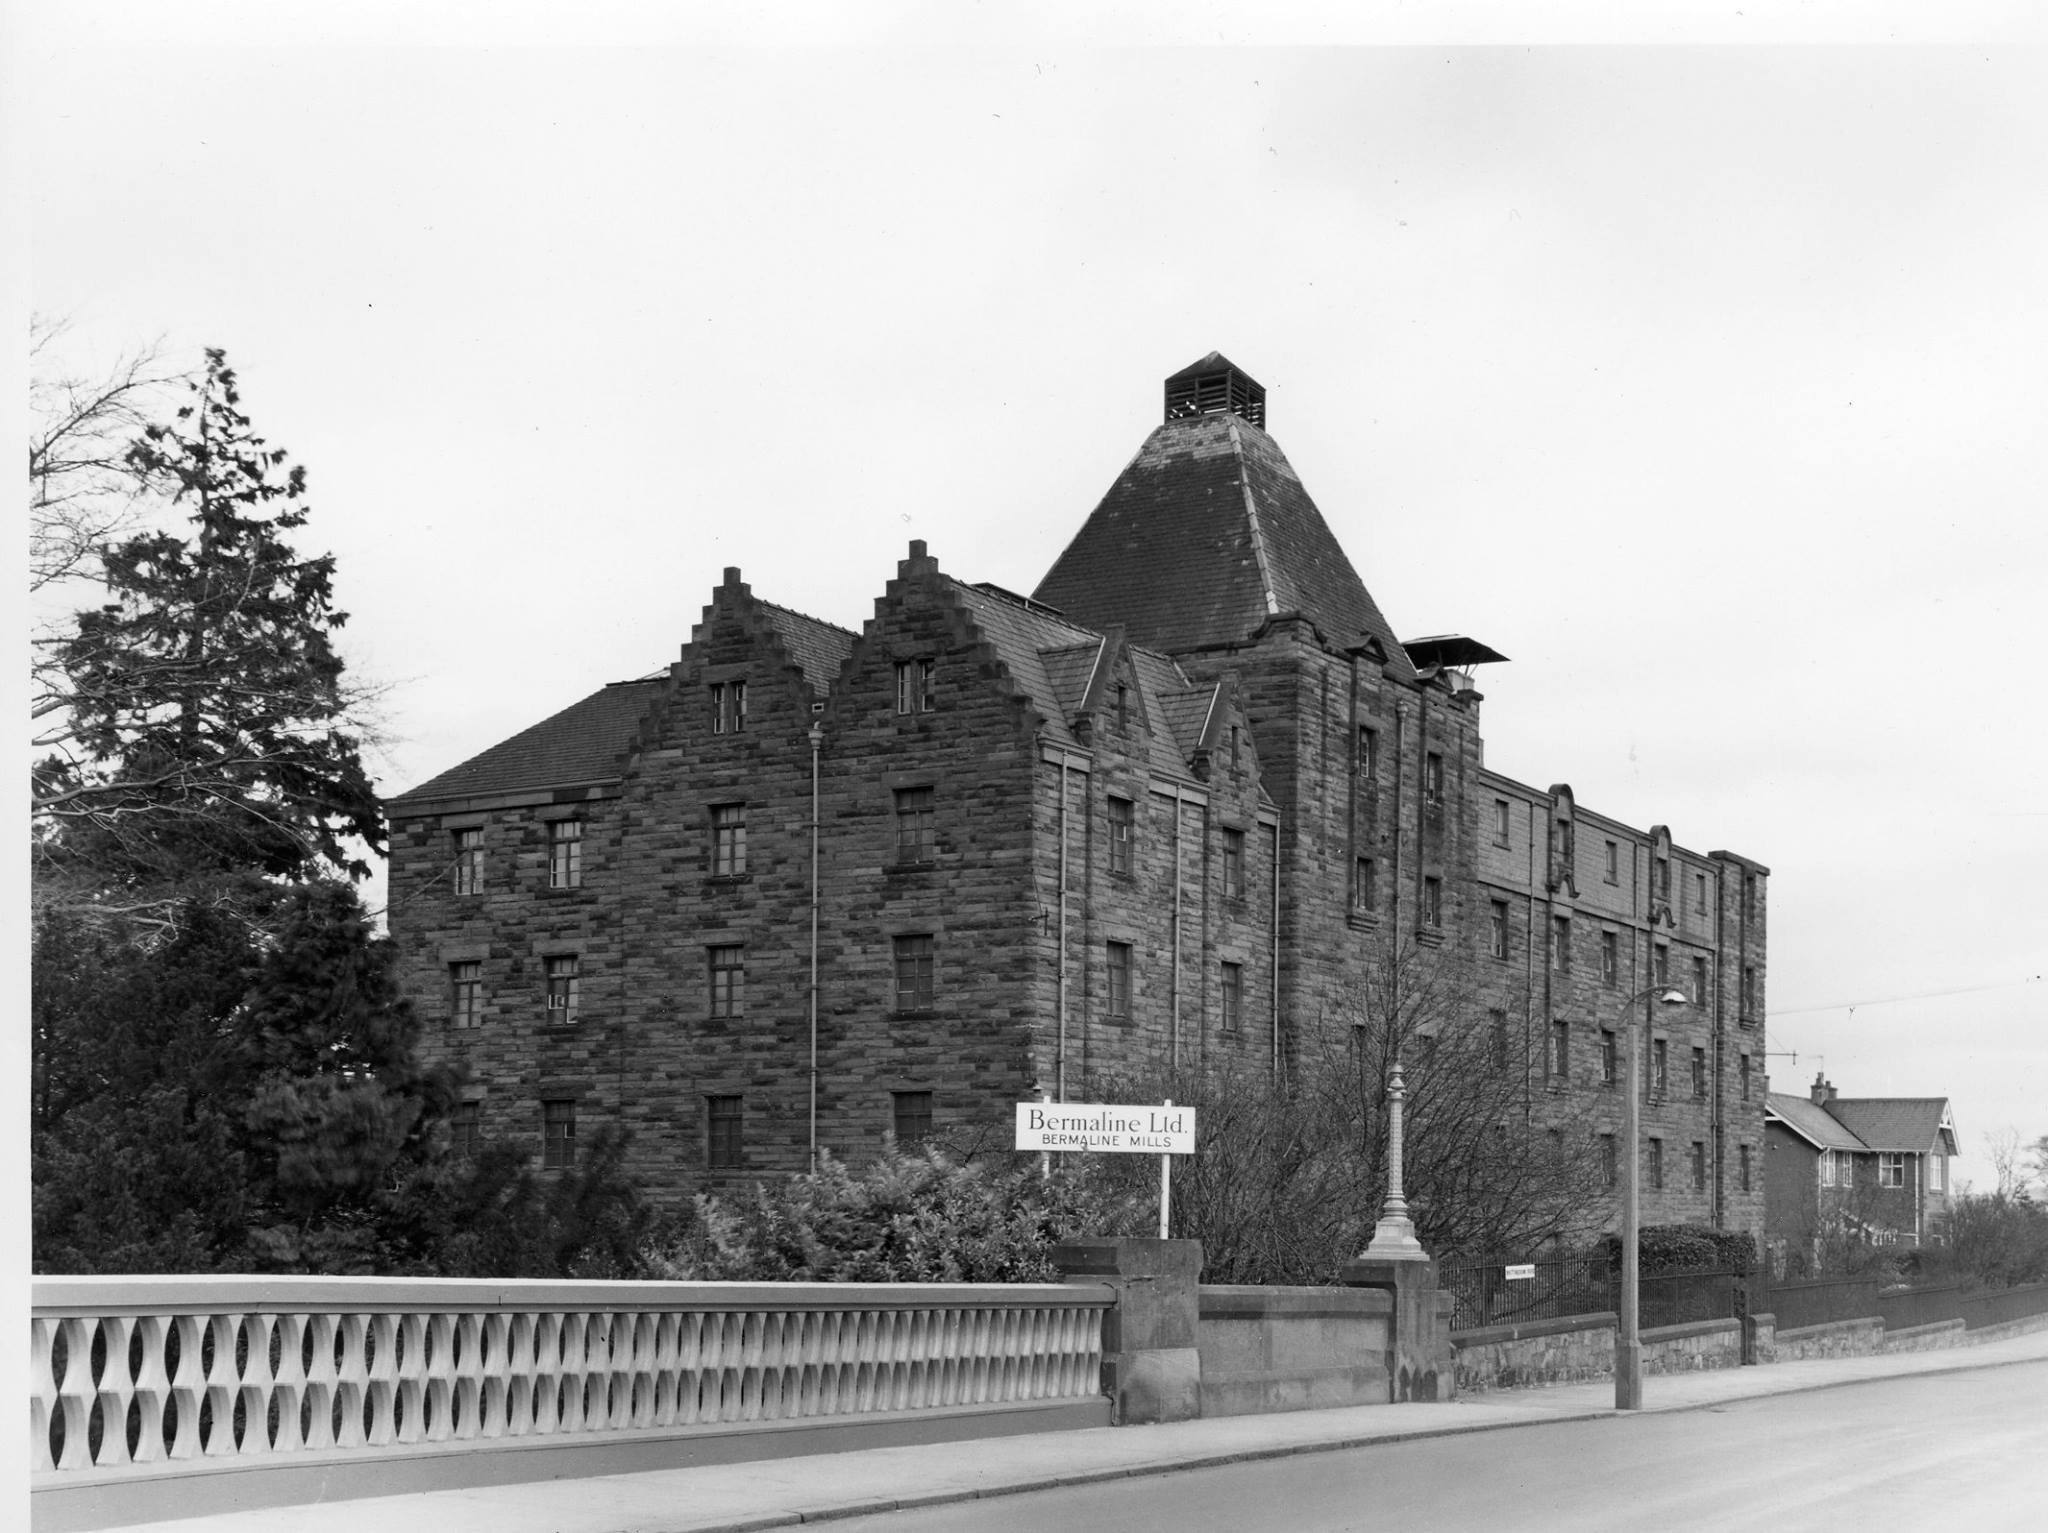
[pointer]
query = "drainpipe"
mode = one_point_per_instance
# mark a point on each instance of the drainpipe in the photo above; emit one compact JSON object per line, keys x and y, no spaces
{"x":817,"y":742}
{"x":1174,"y":1046}
{"x":1394,"y":860}
{"x":1061,"y":1069}
{"x":1273,"y":936}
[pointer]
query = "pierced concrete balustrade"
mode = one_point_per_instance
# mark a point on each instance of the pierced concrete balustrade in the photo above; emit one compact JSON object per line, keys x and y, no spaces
{"x":164,"y":1397}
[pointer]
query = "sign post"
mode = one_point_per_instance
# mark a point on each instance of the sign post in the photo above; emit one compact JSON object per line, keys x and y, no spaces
{"x":1111,"y":1129}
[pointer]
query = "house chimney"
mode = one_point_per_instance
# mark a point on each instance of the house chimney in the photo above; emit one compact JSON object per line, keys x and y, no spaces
{"x":1823,"y":1093}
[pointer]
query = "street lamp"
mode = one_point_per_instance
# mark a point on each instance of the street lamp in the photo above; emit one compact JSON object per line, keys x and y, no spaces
{"x":1628,"y":1351}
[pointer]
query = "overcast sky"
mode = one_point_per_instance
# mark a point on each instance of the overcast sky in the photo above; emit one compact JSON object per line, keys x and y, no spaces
{"x":1706,"y":383}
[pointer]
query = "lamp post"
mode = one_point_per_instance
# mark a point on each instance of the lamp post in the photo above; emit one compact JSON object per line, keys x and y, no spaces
{"x":1628,"y":1351}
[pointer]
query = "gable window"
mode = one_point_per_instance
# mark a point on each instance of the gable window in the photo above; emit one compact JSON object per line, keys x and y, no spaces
{"x":557,"y":1135}
{"x":1499,"y":1026}
{"x":1497,"y":929}
{"x":1699,"y":982}
{"x":916,"y":831}
{"x":1432,"y":902}
{"x":1613,"y":863}
{"x":728,"y":707}
{"x":1236,"y":761}
{"x":724,"y":1148}
{"x":1699,"y":1073}
{"x":565,"y":854}
{"x":1608,"y":1165}
{"x":1561,"y":944}
{"x":1657,"y":1164}
{"x":1122,"y":828}
{"x":728,"y":840}
{"x":1500,"y":822}
{"x":1231,"y":992}
{"x":1610,"y":958}
{"x":1433,"y":780}
{"x":728,"y":967}
{"x":1365,"y":892}
{"x":1560,"y":1051}
{"x":911,"y":1117}
{"x":914,"y":977}
{"x":1664,"y":878}
{"x":465,"y":1128}
{"x":1699,"y":1165}
{"x":914,"y":686}
{"x":469,"y":861}
{"x":1891,"y":1170}
{"x":1610,"y":1067}
{"x":466,"y":987}
{"x":1233,"y":864}
{"x":1699,"y":892}
{"x":1123,"y":706}
{"x":563,"y":979}
{"x":1660,"y":1078}
{"x":1118,"y":964}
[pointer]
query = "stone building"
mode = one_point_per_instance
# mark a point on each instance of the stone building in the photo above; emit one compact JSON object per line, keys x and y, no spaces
{"x":808,"y":885}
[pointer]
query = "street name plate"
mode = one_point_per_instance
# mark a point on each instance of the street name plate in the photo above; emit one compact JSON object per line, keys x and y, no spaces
{"x":1520,"y":1270}
{"x":1145,"y":1129}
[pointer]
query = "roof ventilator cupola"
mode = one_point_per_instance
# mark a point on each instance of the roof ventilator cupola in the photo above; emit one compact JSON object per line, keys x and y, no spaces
{"x":1215,"y":386}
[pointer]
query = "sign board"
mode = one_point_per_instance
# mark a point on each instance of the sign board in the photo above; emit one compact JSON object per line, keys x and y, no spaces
{"x":1146,"y":1129}
{"x":1520,"y":1271}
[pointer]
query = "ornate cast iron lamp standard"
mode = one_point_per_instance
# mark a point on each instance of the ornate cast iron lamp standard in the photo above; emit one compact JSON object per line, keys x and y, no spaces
{"x":1628,"y":1351}
{"x":1393,"y":1238}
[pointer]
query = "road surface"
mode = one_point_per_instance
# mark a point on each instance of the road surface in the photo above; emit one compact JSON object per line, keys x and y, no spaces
{"x":1961,"y":1452}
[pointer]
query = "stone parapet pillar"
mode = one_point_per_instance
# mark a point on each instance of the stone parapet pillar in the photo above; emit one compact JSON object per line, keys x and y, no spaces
{"x":1420,"y":1364}
{"x":1150,"y":1368}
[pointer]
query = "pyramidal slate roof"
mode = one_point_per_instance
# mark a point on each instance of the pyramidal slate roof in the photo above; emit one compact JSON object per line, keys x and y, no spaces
{"x":1894,"y":1123}
{"x":1206,"y":534}
{"x":581,"y":744}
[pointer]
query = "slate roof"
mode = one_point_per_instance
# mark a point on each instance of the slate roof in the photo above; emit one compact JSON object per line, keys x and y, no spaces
{"x":819,"y":648}
{"x":1894,"y":1123}
{"x":1206,"y":534}
{"x":1069,"y":669}
{"x":1022,"y":637}
{"x":580,"y":744}
{"x":1812,"y":1123}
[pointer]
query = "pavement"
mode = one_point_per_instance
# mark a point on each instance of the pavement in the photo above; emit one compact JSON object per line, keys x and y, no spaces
{"x":780,"y":1493}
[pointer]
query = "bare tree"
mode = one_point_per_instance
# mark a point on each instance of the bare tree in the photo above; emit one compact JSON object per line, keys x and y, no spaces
{"x":2003,"y":1148}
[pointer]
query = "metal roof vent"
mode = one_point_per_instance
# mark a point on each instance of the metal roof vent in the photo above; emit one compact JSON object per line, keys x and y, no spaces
{"x":1215,"y":386}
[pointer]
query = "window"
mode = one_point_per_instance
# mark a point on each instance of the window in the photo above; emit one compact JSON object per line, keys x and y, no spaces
{"x":1497,"y":929}
{"x":1610,"y":958}
{"x":1657,"y":1164}
{"x":914,"y":687}
{"x":1236,"y":759}
{"x":728,"y":707}
{"x":1432,"y":902}
{"x":1748,"y":895}
{"x":1699,"y":982}
{"x":1699,"y":1165}
{"x":728,"y":980}
{"x":1433,"y":780}
{"x":1367,"y":764}
{"x":1560,"y":1051}
{"x":1699,"y":892}
{"x":466,"y":984}
{"x":1561,"y":944}
{"x":1233,"y":864}
{"x":1610,"y":1063}
{"x":1499,"y":1020}
{"x":465,"y":1130}
{"x":1743,"y":1172}
{"x":1121,"y":828}
{"x":1699,"y":1073}
{"x":916,"y":835}
{"x":557,"y":1135}
{"x":1891,"y":1170}
{"x":1749,"y":992}
{"x":1119,"y":979}
{"x":1742,"y":1073}
{"x":1664,"y":878}
{"x":1365,"y":889}
{"x":563,"y":979}
{"x":1613,"y":872}
{"x":469,"y":861}
{"x":1660,"y":960}
{"x":565,"y":854}
{"x":912,"y":1116}
{"x":1608,"y":1165}
{"x":724,"y":1144}
{"x":1500,"y":822}
{"x":1827,"y":1168}
{"x":1935,"y":1167}
{"x":914,"y":985}
{"x":1123,"y":706}
{"x":1660,"y":1079}
{"x":1232,"y":991}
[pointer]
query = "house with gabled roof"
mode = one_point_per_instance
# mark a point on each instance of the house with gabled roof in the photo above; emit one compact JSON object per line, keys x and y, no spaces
{"x":1869,"y":1170}
{"x":809,"y":885}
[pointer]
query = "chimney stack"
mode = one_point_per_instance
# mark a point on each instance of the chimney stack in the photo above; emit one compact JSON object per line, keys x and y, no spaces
{"x":1823,"y":1093}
